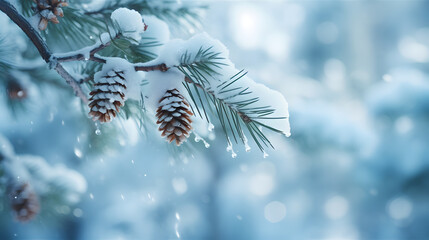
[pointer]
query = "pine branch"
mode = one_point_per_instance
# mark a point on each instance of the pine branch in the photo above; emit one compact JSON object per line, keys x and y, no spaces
{"x":41,"y":46}
{"x":229,"y":115}
{"x":202,"y":62}
{"x":242,"y":115}
{"x":233,"y":104}
{"x":205,"y":64}
{"x":31,"y":33}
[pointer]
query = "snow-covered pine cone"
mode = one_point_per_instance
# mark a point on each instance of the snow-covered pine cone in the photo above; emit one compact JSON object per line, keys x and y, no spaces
{"x":24,"y":202}
{"x":174,"y":117}
{"x":49,"y":10}
{"x":15,"y":90}
{"x":107,"y":96}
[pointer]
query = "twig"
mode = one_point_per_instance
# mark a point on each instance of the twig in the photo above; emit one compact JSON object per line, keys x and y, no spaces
{"x":69,"y":57}
{"x":41,"y":46}
{"x":80,"y":57}
{"x":94,"y":12}
{"x":159,"y":67}
{"x":84,"y":80}
{"x":72,"y":82}
{"x":243,"y":116}
{"x":73,"y":56}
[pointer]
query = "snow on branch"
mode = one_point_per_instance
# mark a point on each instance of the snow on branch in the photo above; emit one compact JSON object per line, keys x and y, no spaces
{"x":88,"y":53}
{"x":130,"y":23}
{"x":216,"y":86}
{"x":28,"y":178}
{"x":199,"y":66}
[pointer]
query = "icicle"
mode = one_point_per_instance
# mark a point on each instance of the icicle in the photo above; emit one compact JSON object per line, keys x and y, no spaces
{"x":78,"y":152}
{"x":211,"y":127}
{"x":176,"y":225}
{"x":246,"y":143}
{"x":265,"y":154}
{"x":230,"y":149}
{"x":176,"y":228}
{"x":97,"y":130}
{"x":51,"y":117}
{"x":86,"y":55}
{"x":198,"y":138}
{"x":151,"y":197}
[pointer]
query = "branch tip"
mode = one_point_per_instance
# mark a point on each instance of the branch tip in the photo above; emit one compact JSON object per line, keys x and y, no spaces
{"x":41,"y":46}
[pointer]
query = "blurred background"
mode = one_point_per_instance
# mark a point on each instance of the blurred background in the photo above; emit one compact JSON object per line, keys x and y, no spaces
{"x":355,"y":74}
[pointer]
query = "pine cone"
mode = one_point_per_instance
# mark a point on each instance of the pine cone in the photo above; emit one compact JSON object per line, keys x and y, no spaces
{"x":49,"y":10}
{"x":174,"y":117}
{"x":24,"y":202}
{"x":108,"y":96}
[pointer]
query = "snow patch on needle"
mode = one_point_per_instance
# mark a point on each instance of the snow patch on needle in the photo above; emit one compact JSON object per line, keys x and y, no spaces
{"x":230,"y":149}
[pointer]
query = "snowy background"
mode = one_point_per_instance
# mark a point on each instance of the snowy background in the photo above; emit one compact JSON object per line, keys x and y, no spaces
{"x":355,"y":74}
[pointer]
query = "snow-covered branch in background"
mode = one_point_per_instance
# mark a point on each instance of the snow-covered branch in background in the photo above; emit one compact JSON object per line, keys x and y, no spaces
{"x":30,"y":179}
